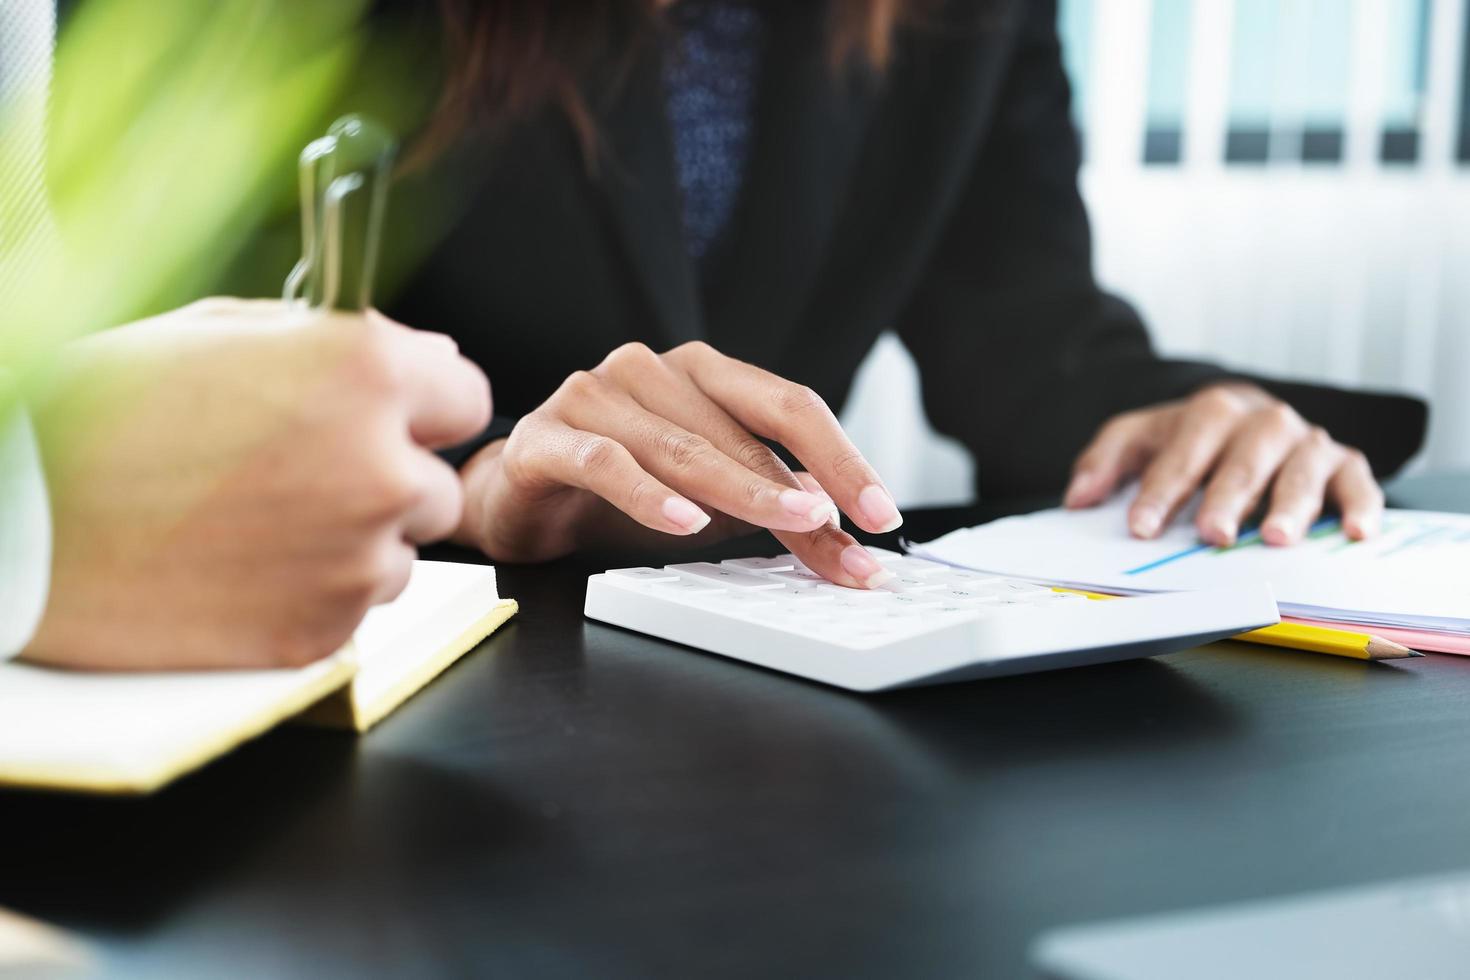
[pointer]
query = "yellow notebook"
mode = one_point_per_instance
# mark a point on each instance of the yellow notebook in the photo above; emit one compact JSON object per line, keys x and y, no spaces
{"x":134,"y":733}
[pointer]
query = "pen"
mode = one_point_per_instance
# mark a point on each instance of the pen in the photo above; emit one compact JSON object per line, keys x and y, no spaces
{"x":344,"y":190}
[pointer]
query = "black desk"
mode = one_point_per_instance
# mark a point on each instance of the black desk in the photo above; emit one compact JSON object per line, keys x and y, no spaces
{"x":575,"y":801}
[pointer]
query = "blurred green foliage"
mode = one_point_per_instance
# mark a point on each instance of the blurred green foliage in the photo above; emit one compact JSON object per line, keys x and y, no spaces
{"x":173,"y":131}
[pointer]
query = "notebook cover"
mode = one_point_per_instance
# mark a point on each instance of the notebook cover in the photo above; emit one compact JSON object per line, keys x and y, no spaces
{"x":102,"y":774}
{"x":133,"y":733}
{"x":343,"y":709}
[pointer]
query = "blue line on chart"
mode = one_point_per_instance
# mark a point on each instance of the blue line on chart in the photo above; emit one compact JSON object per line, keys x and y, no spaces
{"x":1429,"y":533}
{"x":1168,"y":558}
{"x":1245,"y":539}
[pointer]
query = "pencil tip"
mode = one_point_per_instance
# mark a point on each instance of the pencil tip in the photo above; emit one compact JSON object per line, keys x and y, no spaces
{"x":1381,"y":649}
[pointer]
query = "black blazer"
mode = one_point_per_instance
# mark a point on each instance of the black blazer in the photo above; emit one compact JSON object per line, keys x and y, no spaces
{"x":939,"y":199}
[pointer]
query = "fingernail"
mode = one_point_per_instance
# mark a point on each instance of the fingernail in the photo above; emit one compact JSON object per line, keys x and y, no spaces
{"x":1145,"y":522}
{"x":878,"y":508}
{"x":864,"y":567}
{"x":808,"y":505}
{"x":686,"y":515}
{"x":1077,"y":490}
{"x":1225,"y":531}
{"x":1278,"y":530}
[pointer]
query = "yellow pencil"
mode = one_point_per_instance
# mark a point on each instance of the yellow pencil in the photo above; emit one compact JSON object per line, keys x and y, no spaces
{"x":1315,"y":639}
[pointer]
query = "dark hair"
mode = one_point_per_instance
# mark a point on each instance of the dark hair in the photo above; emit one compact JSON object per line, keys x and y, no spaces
{"x":508,"y":59}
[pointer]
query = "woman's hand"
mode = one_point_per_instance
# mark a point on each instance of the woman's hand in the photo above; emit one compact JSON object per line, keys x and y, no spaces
{"x":234,"y":483}
{"x":668,"y":443}
{"x":1240,"y":444}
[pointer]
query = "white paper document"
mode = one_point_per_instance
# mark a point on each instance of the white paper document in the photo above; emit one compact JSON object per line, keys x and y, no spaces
{"x":1414,"y":574}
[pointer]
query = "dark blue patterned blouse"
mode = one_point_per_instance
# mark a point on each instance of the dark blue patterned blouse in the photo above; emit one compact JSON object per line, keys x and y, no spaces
{"x":710,"y":73}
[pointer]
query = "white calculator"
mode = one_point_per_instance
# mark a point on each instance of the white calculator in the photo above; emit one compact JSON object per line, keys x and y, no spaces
{"x":930,"y":624}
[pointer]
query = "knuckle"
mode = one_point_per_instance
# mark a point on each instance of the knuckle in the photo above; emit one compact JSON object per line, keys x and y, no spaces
{"x":632,"y":355}
{"x":580,"y":386}
{"x":1281,"y":417}
{"x":686,"y":450}
{"x":689,"y":353}
{"x":372,"y":356}
{"x":757,"y":456}
{"x":381,"y":488}
{"x":1318,"y":437}
{"x":395,"y":491}
{"x":754,"y":491}
{"x":800,"y":400}
{"x":643,"y":495}
{"x":828,"y":539}
{"x":694,"y":348}
{"x":849,"y":463}
{"x":595,"y":455}
{"x":1217,"y":401}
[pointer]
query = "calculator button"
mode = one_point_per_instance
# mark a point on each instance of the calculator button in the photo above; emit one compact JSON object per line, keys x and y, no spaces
{"x":643,"y":574}
{"x":840,"y":592}
{"x":965,"y":597}
{"x":1025,"y":587}
{"x":860,"y":603}
{"x":799,"y":577}
{"x":685,"y":587}
{"x":916,"y":600}
{"x":759,"y":564}
{"x":728,"y":577}
{"x":795,"y":593}
{"x":744,"y":599}
{"x":907,"y":583}
{"x":963,"y":579}
{"x":916,"y":568}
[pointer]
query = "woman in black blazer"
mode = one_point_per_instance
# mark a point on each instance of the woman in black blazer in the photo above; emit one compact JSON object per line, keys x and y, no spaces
{"x":683,"y":224}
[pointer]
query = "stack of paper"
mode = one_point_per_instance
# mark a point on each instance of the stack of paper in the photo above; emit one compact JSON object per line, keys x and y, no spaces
{"x":1409,"y":583}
